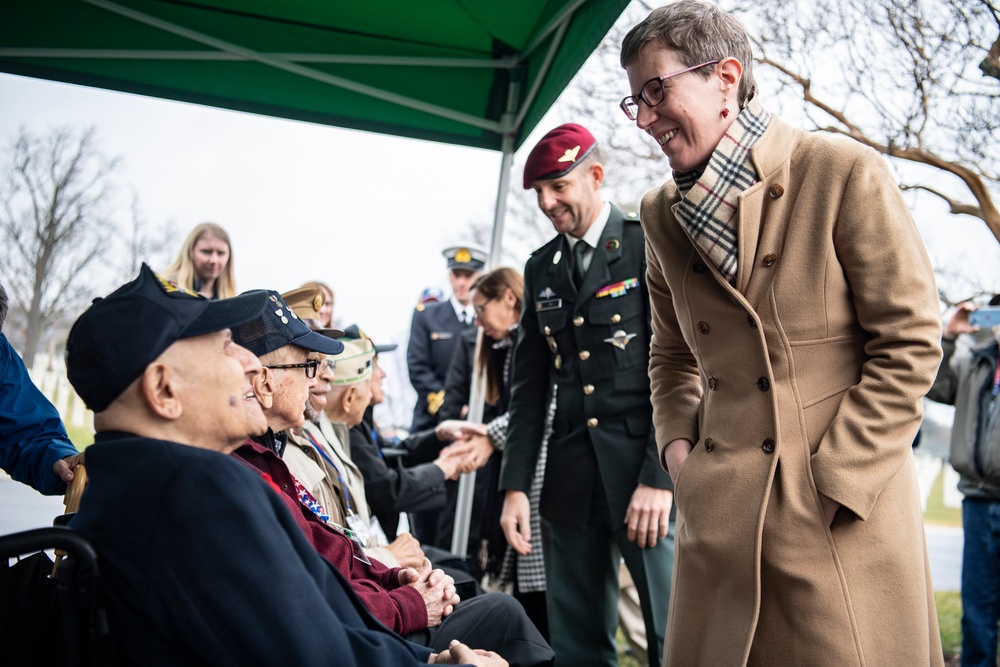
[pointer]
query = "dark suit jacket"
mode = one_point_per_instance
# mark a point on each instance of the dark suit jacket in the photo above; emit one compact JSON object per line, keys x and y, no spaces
{"x":203,"y":564}
{"x":602,"y":433}
{"x":392,"y":488}
{"x":434,"y":333}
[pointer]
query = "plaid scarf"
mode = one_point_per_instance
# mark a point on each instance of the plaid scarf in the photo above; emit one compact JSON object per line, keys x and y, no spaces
{"x":708,"y":208}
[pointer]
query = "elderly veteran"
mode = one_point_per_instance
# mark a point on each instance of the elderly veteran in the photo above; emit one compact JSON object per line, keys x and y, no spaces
{"x":585,"y":330}
{"x":318,"y":456}
{"x":796,"y":330}
{"x":418,"y":603}
{"x":199,"y":557}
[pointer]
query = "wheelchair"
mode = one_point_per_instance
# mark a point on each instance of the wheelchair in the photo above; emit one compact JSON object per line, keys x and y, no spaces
{"x":53,"y":615}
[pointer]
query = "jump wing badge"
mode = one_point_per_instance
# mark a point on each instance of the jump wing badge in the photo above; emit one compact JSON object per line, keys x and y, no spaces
{"x":620,"y":339}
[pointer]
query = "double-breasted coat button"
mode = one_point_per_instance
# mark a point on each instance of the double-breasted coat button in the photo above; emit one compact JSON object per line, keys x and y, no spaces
{"x":578,"y":321}
{"x":592,"y":422}
{"x":547,"y":330}
{"x":769,"y":259}
{"x":584,"y":355}
{"x":616,"y":318}
{"x":768,"y":446}
{"x":699,"y":267}
{"x":588,"y":389}
{"x":703,"y":327}
{"x":775,"y":191}
{"x":751,"y":322}
{"x":711,"y":383}
{"x":763,"y":383}
{"x":709,"y":444}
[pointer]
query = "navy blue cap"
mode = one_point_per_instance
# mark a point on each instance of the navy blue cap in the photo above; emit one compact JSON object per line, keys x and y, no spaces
{"x":276,"y":325}
{"x":114,"y":340}
{"x":354,"y":332}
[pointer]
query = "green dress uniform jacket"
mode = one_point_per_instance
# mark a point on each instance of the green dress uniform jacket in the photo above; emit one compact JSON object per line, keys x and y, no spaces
{"x":593,"y":343}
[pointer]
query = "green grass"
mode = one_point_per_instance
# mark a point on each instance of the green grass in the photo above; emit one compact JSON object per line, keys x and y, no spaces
{"x":949,"y":611}
{"x":936,"y":512}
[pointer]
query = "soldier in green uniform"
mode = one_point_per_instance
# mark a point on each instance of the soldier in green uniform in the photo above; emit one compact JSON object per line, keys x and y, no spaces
{"x":585,"y":329}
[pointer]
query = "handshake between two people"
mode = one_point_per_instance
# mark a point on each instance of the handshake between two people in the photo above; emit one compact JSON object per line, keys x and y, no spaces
{"x":469,"y":450}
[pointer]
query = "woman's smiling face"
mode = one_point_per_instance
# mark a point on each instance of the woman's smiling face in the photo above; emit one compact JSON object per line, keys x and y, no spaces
{"x":688,"y":124}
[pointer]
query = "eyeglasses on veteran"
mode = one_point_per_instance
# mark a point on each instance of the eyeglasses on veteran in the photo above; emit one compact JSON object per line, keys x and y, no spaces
{"x":310,"y":367}
{"x":652,"y":92}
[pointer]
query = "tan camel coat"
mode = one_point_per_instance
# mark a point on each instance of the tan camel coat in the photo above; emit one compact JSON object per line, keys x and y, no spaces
{"x":805,"y":377}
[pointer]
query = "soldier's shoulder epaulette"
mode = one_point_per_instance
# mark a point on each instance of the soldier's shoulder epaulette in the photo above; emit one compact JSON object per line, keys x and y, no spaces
{"x":631,"y":216}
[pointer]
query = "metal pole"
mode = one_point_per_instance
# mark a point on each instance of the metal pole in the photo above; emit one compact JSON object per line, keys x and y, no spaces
{"x":467,"y":481}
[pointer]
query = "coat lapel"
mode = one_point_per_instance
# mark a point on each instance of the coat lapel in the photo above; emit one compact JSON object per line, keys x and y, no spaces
{"x":557,"y":272}
{"x":762,"y":207}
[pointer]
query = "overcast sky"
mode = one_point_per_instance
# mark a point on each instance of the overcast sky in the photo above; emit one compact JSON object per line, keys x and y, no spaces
{"x":368,"y":214}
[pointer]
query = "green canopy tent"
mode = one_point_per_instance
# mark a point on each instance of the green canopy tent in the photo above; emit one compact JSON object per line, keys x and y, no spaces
{"x":478,"y":73}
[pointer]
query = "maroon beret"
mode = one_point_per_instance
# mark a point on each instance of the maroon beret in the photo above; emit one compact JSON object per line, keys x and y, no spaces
{"x":557,"y":153}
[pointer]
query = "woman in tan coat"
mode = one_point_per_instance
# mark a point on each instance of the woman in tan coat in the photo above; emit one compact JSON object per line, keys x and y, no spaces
{"x":795,"y":329}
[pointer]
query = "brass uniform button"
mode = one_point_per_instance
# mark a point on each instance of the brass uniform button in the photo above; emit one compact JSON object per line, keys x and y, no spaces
{"x":578,"y":321}
{"x":769,"y":260}
{"x":763,"y":383}
{"x":588,"y":389}
{"x":616,"y":318}
{"x":703,"y":327}
{"x":712,"y":383}
{"x":768,"y":446}
{"x":775,"y":191}
{"x":584,"y":355}
{"x":709,"y":444}
{"x":592,"y":422}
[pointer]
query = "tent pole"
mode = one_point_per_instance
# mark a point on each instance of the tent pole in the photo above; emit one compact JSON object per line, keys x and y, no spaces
{"x":467,"y":481}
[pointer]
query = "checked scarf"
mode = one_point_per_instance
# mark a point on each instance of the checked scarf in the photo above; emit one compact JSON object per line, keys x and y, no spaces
{"x":708,"y":208}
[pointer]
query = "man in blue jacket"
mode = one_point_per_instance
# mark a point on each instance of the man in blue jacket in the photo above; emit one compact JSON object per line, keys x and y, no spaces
{"x":201,"y":561}
{"x":34,"y":448}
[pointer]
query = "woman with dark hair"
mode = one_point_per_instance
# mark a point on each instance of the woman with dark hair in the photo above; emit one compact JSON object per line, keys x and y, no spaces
{"x":205,"y":263}
{"x":496,"y":297}
{"x":795,"y":331}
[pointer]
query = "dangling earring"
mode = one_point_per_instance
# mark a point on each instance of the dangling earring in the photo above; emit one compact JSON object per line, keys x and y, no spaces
{"x":725,"y":112}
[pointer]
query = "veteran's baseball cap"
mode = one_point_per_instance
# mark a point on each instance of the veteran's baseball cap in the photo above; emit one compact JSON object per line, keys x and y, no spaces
{"x":114,"y":340}
{"x":276,"y":325}
{"x":354,"y":332}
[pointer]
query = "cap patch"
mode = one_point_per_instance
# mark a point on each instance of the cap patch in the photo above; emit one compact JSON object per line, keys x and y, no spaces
{"x":570,"y":155}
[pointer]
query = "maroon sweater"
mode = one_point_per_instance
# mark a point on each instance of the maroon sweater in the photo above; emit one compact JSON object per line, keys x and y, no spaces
{"x":400,"y":608}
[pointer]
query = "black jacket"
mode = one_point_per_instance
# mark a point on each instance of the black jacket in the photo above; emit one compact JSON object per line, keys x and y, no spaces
{"x":203,"y":564}
{"x":391,"y":487}
{"x":434,"y":334}
{"x":602,"y":432}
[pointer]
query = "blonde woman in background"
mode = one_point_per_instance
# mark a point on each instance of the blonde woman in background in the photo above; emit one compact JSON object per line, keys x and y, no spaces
{"x":205,"y":264}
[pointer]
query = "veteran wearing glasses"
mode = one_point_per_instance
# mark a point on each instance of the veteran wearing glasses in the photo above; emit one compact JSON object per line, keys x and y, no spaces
{"x":795,"y":330}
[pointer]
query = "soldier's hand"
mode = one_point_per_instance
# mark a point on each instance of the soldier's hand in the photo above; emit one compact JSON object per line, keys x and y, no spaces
{"x":515,"y":521}
{"x":648,"y":515}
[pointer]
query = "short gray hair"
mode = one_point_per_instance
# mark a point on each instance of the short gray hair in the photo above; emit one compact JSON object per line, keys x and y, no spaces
{"x":700,"y":32}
